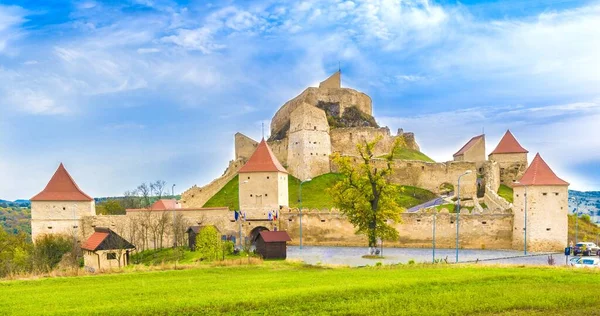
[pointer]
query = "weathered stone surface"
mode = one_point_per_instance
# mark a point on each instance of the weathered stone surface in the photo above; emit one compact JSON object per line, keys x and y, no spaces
{"x":345,"y":97}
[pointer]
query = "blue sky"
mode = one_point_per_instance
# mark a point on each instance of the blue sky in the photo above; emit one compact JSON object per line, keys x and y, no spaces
{"x":128,"y":92}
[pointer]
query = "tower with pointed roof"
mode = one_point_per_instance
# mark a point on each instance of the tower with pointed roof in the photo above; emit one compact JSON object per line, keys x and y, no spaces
{"x":58,"y":208}
{"x":263,"y":183}
{"x":546,"y":196}
{"x":511,"y":158}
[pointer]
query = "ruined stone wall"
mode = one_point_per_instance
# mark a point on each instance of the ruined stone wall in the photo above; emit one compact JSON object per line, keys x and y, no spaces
{"x":244,"y":146}
{"x":197,"y":196}
{"x":547,"y":221}
{"x":344,"y":140}
{"x":429,"y":175}
{"x":495,"y":202}
{"x":334,"y":81}
{"x":491,"y":171}
{"x":512,"y":166}
{"x":477,"y":231}
{"x":309,"y":143}
{"x":280,"y":150}
{"x":343,"y":96}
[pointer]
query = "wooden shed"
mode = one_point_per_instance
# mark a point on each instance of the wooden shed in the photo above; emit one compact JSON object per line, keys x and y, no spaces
{"x":272,"y":245}
{"x":105,"y":249}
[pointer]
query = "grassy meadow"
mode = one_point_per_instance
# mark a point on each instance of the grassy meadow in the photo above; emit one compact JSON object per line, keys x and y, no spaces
{"x":280,"y":288}
{"x":314,"y":193}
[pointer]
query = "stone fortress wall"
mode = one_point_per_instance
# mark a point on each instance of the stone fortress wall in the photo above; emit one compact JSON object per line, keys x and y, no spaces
{"x":512,"y":166}
{"x":490,"y":230}
{"x":344,"y":140}
{"x":345,"y":97}
{"x":309,"y":142}
{"x":198,"y":196}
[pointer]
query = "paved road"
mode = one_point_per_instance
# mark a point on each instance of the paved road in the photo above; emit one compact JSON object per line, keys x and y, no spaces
{"x":434,"y":202}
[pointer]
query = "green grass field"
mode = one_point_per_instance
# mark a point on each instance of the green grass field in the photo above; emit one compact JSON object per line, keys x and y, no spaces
{"x":506,"y":192}
{"x":410,"y":154}
{"x":314,"y":193}
{"x":277,"y":288}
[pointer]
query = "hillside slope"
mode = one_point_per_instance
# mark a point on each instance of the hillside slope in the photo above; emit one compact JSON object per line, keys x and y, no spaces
{"x":314,"y":193}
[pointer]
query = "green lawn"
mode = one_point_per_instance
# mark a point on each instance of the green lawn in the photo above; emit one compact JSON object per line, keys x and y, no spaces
{"x":228,"y":196}
{"x":410,"y":154}
{"x":277,"y":288}
{"x":314,"y":193}
{"x":506,"y":192}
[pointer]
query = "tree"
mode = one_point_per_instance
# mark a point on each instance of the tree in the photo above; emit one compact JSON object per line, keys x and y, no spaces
{"x":208,"y":243}
{"x":365,"y":195}
{"x":49,"y":250}
{"x":158,"y":187}
{"x":145,"y":191}
{"x":110,"y":207}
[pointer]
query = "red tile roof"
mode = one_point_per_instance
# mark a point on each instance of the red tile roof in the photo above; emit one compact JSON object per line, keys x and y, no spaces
{"x":539,"y":173}
{"x":164,"y":204}
{"x":468,"y":145}
{"x":278,"y":236}
{"x":105,"y":239}
{"x":61,"y":188}
{"x":262,"y":160}
{"x":509,"y":145}
{"x":94,"y":241}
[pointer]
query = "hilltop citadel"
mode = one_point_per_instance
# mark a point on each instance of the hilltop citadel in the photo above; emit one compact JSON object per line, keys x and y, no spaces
{"x":305,"y":131}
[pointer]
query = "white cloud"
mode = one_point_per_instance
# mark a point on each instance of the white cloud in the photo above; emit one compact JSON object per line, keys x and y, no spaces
{"x":11,"y":17}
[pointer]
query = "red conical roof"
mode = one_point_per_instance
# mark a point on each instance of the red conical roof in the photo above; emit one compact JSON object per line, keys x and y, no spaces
{"x":539,"y":173}
{"x":61,"y":188}
{"x":262,"y":160}
{"x":509,"y":145}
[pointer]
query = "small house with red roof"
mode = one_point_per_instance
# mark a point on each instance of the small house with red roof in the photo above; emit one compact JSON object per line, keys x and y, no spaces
{"x":58,"y":208}
{"x":473,"y":150}
{"x":105,"y":249}
{"x":263,"y":183}
{"x":544,"y":197}
{"x":272,"y":244}
{"x":511,"y":158}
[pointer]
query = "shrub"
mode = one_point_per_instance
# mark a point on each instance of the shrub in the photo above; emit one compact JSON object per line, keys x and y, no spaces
{"x":586,"y":218}
{"x":208,"y":243}
{"x":50,"y":249}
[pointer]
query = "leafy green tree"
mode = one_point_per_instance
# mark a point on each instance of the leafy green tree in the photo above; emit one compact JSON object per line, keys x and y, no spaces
{"x":110,"y":207}
{"x":208,"y":243}
{"x":15,"y":253}
{"x":365,"y":195}
{"x":49,"y":250}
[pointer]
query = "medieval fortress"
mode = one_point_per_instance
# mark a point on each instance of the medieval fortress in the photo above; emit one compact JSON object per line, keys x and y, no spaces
{"x":305,"y":131}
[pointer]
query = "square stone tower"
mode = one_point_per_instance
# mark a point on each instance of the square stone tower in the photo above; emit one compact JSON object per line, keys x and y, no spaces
{"x":473,"y":150}
{"x":309,"y":144}
{"x":263,"y":183}
{"x":59,"y":208}
{"x":547,"y":207}
{"x":511,"y":158}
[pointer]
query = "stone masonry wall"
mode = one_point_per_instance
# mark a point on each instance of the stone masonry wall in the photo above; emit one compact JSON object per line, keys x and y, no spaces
{"x":59,"y":217}
{"x":244,"y":146}
{"x":477,"y":231}
{"x":344,"y":96}
{"x":512,"y":166}
{"x":429,"y":175}
{"x":344,"y":140}
{"x":547,"y":222}
{"x":309,"y":143}
{"x":197,"y":196}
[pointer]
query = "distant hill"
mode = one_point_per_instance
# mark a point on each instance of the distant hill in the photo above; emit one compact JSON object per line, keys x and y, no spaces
{"x":17,"y":203}
{"x":589,"y":203}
